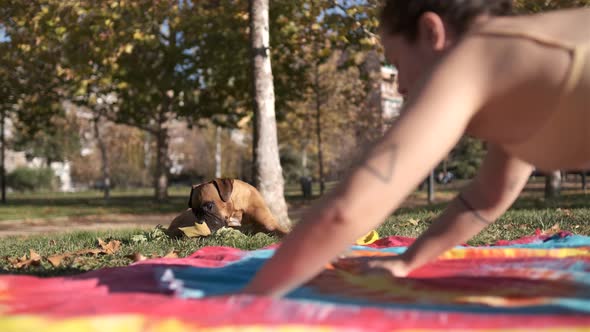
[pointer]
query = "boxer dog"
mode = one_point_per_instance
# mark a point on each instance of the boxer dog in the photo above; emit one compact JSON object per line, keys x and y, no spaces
{"x":226,"y":203}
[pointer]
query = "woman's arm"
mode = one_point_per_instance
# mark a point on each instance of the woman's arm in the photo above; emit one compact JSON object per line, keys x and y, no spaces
{"x":498,"y":183}
{"x":431,"y":124}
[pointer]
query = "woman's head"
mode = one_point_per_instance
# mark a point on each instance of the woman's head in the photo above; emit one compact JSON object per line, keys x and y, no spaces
{"x":402,"y":17}
{"x":416,"y":32}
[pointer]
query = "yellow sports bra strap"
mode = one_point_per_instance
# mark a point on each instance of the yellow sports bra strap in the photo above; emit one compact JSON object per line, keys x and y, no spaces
{"x":541,"y":39}
{"x":579,"y":55}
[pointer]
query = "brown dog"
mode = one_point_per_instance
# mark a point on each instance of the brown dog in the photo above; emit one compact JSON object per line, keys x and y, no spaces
{"x":226,"y":202}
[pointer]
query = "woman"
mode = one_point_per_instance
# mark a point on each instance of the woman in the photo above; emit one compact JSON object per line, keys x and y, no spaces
{"x":521,"y":83}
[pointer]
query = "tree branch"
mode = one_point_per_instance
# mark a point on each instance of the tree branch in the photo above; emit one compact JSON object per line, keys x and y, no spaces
{"x":114,"y":119}
{"x":342,"y":8}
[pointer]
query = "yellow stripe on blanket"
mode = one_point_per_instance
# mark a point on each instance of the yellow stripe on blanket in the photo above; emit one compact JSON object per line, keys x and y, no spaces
{"x":466,"y":253}
{"x":130,"y":323}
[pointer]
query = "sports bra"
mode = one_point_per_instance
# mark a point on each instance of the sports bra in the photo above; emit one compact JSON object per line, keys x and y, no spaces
{"x":578,"y":52}
{"x":569,"y":123}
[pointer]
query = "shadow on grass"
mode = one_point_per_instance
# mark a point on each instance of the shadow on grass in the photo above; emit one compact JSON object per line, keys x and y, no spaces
{"x":131,"y":204}
{"x":565,"y":201}
{"x":44,"y":273}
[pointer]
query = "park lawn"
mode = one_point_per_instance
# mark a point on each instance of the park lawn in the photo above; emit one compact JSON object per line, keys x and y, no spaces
{"x":43,"y":205}
{"x":570,"y":212}
{"x":46,"y":205}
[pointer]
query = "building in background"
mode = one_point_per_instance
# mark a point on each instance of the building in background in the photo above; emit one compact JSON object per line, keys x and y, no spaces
{"x":391,"y":99}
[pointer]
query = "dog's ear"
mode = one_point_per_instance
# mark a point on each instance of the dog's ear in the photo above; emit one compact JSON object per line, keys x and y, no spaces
{"x":224,"y":187}
{"x":190,"y":197}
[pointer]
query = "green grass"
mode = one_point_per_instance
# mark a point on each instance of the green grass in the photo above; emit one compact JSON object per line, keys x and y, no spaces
{"x":50,"y":205}
{"x":133,"y":201}
{"x":71,"y":242}
{"x":571,"y":212}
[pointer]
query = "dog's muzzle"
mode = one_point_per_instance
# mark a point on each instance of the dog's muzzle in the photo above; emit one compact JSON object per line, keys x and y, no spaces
{"x":213,"y":221}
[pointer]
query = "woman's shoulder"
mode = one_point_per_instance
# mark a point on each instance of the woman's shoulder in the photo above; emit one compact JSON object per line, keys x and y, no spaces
{"x":558,"y":28}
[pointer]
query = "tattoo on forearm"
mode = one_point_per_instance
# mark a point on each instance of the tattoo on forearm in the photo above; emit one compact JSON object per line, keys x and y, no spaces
{"x":476,"y":214}
{"x":384,"y":172}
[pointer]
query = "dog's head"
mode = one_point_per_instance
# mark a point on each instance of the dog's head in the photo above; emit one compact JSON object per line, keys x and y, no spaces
{"x":211,"y":202}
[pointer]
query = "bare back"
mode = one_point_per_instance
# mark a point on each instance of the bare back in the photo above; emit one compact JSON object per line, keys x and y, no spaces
{"x":539,"y":107}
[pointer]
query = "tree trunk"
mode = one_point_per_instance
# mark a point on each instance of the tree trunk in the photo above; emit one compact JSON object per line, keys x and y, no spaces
{"x":304,"y":159}
{"x":431,"y":187}
{"x":2,"y":156}
{"x":318,"y":120}
{"x":552,"y":184}
{"x":217,"y":152}
{"x":253,"y":178}
{"x":106,"y":169}
{"x":162,"y":165}
{"x":269,"y":174}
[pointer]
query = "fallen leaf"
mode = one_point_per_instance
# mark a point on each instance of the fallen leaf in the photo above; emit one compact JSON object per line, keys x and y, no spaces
{"x":111,"y":247}
{"x":136,"y":257}
{"x":197,"y":230}
{"x":57,"y":259}
{"x":414,"y":221}
{"x":34,"y":255}
{"x":172,"y":254}
{"x":12,"y":260}
{"x":566,"y":212}
{"x":410,"y":222}
{"x":34,"y":260}
{"x":78,"y":260}
{"x":554,"y":229}
{"x":89,"y":251}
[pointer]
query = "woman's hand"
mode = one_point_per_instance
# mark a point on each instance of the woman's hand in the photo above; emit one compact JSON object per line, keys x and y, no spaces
{"x":395,"y":266}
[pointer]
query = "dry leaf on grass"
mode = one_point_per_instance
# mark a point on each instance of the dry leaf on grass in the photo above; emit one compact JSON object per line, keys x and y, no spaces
{"x":172,"y":254}
{"x":566,"y":212}
{"x":88,"y":251}
{"x":554,"y":229}
{"x":57,"y":259}
{"x":411,"y":222}
{"x":78,"y":260}
{"x":111,"y":247}
{"x":19,"y":263}
{"x":136,"y":257}
{"x":13,"y":260}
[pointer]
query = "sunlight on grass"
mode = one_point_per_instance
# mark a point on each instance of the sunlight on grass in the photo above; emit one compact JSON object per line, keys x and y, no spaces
{"x":571,"y":212}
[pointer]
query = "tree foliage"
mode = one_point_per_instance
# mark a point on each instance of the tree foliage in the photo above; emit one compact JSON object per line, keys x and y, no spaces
{"x":535,"y":6}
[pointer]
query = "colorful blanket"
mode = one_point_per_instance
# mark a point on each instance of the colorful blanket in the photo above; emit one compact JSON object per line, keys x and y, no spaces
{"x":541,"y":283}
